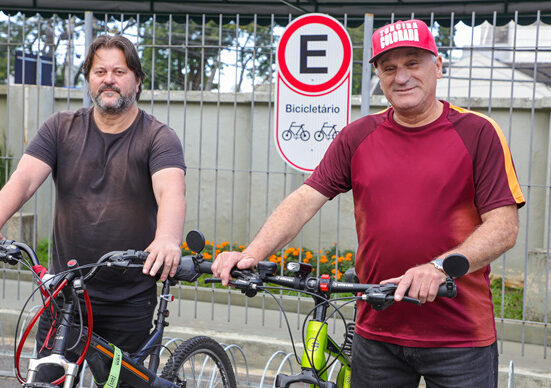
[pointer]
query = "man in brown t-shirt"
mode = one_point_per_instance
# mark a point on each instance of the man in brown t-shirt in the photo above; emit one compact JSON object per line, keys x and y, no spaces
{"x":119,"y":177}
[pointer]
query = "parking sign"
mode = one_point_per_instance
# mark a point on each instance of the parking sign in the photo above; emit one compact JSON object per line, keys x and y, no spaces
{"x":313,"y":87}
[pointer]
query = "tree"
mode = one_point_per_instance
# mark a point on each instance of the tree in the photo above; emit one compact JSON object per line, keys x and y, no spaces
{"x":39,"y":36}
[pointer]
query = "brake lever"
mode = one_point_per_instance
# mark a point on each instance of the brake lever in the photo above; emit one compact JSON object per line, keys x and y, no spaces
{"x":411,"y":300}
{"x":10,"y":253}
{"x":246,"y":281}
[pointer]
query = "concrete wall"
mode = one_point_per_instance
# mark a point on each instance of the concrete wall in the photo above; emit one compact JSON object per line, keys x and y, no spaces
{"x":236,"y":177}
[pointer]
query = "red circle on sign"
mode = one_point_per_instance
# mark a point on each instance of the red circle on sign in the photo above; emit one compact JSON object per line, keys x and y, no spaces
{"x":347,"y":53}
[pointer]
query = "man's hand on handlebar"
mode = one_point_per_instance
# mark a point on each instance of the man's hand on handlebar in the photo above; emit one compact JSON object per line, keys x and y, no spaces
{"x":165,"y":252}
{"x":226,"y":261}
{"x":423,"y":282}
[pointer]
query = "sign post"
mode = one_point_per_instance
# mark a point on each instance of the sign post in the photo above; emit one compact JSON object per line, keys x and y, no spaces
{"x":313,"y":87}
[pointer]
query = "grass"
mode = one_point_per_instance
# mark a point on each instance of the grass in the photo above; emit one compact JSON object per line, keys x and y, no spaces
{"x":512,"y":300}
{"x":42,"y":252}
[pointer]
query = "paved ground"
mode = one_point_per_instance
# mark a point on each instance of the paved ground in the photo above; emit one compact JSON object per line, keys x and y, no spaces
{"x":260,"y":333}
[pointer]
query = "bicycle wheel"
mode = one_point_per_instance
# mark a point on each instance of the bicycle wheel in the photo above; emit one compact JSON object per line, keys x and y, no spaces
{"x":318,"y":135}
{"x":286,"y":135}
{"x":200,"y":362}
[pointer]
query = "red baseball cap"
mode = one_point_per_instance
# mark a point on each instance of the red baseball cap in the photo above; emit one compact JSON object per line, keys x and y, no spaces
{"x":403,"y":33}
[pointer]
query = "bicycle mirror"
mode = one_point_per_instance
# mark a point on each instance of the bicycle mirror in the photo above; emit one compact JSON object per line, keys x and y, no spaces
{"x":195,"y":241}
{"x":456,"y":265}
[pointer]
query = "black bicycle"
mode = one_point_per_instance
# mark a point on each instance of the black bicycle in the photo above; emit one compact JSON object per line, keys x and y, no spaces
{"x":197,"y":361}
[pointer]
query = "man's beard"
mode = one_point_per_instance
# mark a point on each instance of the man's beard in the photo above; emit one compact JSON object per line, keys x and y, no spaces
{"x":122,"y":103}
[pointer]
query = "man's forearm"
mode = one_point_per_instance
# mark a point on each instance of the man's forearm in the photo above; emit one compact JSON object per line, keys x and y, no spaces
{"x":285,"y":222}
{"x":23,"y":183}
{"x":497,"y":234}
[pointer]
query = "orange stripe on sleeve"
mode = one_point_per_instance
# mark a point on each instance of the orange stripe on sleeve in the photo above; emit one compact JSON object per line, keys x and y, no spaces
{"x":514,"y":186}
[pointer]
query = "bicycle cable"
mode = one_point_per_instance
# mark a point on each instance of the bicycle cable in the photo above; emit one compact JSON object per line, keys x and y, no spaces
{"x":337,"y":309}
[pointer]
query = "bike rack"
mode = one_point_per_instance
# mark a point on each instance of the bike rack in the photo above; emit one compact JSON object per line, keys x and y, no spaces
{"x":330,"y":374}
{"x":169,"y":342}
{"x":2,"y":337}
{"x":24,"y":323}
{"x":82,"y":373}
{"x":511,"y":375}
{"x":286,"y":357}
{"x":229,"y":348}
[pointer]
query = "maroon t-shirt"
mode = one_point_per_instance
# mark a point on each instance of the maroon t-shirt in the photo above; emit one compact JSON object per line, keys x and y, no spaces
{"x":419,"y":192}
{"x":104,"y":193}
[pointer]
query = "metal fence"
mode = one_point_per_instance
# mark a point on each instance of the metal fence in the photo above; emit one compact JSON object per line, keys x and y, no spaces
{"x":211,"y":80}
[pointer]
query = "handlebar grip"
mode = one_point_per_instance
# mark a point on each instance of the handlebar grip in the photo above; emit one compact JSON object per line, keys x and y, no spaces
{"x":205,"y":267}
{"x":189,"y":271}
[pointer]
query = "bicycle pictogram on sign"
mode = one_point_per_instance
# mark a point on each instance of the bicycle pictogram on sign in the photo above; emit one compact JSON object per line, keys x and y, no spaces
{"x":299,"y":133}
{"x":329,"y":135}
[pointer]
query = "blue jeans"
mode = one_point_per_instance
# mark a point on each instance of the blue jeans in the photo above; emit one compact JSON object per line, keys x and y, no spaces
{"x":381,"y":364}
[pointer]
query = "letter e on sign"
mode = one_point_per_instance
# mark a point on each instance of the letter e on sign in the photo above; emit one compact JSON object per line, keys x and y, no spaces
{"x":313,"y":86}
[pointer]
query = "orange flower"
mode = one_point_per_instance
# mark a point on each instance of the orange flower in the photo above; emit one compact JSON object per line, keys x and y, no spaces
{"x":207,"y":242}
{"x":306,"y":260}
{"x":323,"y":259}
{"x":334,"y":256}
{"x":242,"y":247}
{"x":308,"y":255}
{"x":207,"y":256}
{"x":340,"y":259}
{"x":273,"y":259}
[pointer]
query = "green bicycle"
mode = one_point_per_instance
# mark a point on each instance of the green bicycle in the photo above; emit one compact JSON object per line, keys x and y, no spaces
{"x":317,"y":342}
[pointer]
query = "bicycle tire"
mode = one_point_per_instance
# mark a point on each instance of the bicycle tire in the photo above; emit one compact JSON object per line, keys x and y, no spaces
{"x":318,"y":135}
{"x":286,"y":135}
{"x":181,"y":364}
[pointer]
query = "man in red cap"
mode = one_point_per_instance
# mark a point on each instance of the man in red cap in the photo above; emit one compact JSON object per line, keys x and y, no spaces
{"x":429,"y":179}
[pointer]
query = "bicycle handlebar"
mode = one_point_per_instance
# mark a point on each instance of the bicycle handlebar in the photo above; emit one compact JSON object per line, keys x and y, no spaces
{"x":249,"y":282}
{"x":189,"y":268}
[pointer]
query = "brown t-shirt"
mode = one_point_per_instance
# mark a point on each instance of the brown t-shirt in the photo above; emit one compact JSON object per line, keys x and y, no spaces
{"x":104,"y":194}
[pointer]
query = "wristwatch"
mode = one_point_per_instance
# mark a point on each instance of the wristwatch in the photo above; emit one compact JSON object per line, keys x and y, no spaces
{"x":438,"y":264}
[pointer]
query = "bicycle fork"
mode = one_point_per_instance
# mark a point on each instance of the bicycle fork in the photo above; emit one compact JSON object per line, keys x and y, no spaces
{"x":56,"y":357}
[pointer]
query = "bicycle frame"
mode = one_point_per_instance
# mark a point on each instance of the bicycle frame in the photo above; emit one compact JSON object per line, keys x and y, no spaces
{"x":318,"y":343}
